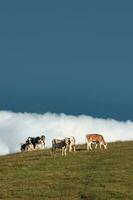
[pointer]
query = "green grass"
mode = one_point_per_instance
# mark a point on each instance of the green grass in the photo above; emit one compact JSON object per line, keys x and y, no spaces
{"x":98,"y":175}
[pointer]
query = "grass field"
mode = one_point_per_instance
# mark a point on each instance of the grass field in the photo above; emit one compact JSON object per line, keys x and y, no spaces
{"x":98,"y":175}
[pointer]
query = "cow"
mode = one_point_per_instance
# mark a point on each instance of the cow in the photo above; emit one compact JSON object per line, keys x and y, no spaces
{"x":23,"y":147}
{"x":95,"y":139}
{"x":72,"y":144}
{"x":43,"y":138}
{"x":38,"y":142}
{"x":27,"y":146}
{"x":61,"y":144}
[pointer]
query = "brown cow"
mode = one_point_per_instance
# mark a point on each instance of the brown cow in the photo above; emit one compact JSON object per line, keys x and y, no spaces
{"x":95,"y":139}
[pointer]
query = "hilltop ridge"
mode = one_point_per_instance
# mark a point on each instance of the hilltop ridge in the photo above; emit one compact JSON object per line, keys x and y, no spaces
{"x":97,"y":175}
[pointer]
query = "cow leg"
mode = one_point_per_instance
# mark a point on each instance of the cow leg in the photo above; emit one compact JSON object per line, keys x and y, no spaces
{"x":96,"y":146}
{"x":105,"y":146}
{"x":28,"y":148}
{"x":65,"y":151}
{"x":74,"y":148}
{"x":70,"y":148}
{"x":53,"y":149}
{"x":31,"y":147}
{"x":62,"y":151}
{"x":89,"y":146}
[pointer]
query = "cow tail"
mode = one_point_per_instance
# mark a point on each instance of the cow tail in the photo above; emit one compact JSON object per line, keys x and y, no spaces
{"x":103,"y":140}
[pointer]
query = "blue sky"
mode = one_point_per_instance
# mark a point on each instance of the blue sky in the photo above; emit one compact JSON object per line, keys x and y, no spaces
{"x":72,"y":57}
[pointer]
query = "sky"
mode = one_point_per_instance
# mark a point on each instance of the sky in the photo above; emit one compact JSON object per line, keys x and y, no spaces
{"x":72,"y":57}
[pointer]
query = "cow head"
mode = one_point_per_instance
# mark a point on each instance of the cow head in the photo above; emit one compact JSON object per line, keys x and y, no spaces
{"x":42,"y":139}
{"x":67,"y":141}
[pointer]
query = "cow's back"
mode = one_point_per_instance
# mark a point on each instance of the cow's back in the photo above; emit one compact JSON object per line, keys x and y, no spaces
{"x":94,"y":137}
{"x":57,"y":143}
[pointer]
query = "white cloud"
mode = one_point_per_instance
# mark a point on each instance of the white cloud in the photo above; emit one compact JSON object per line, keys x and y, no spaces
{"x":16,"y":127}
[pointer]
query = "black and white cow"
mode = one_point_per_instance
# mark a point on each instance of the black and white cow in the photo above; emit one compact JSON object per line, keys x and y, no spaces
{"x":61,"y":144}
{"x":27,"y":146}
{"x":23,"y":147}
{"x":38,"y":142}
{"x":72,"y":145}
{"x":33,"y":143}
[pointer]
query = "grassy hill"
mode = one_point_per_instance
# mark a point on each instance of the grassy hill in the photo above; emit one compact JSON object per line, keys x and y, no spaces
{"x":98,"y":175}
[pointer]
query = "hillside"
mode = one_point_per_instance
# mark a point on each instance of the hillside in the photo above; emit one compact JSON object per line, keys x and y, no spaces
{"x":97,"y":175}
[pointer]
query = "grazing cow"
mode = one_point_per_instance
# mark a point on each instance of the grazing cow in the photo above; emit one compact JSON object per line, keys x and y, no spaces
{"x":61,"y":144}
{"x":95,"y":139}
{"x":72,"y":145}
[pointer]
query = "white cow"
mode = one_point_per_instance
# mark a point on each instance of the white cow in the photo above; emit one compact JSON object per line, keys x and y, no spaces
{"x":72,"y":145}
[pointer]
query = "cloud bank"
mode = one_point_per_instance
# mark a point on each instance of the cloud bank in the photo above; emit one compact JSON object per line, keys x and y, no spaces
{"x":16,"y":127}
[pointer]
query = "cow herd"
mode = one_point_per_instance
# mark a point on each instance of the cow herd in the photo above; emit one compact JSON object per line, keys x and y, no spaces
{"x":33,"y":143}
{"x":66,"y":144}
